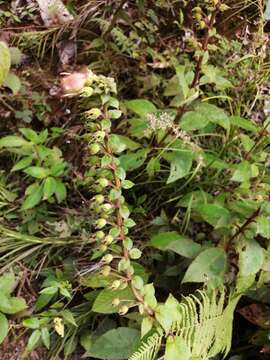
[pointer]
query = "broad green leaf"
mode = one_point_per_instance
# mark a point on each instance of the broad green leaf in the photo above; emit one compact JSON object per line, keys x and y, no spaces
{"x":168,"y":313}
{"x":45,"y":337}
{"x":69,"y":317}
{"x":120,"y":143}
{"x":12,"y":141}
{"x":115,"y":344}
{"x":263,"y":226}
{"x":97,"y":280}
{"x":3,"y":322}
{"x":31,"y":323}
{"x":208,"y":265}
{"x":195,"y":198}
{"x":242,"y":172}
{"x":30,"y":135}
{"x":215,"y":215}
{"x":33,"y":340}
{"x":181,"y":163}
{"x":86,"y":341}
{"x":214,"y":114}
{"x":11,"y":305}
{"x":23,"y":163}
{"x":149,"y":295}
{"x":15,"y":55}
{"x":140,"y":107}
{"x":251,"y":257}
{"x":5,"y":61}
{"x":33,"y":199}
{"x":243,"y":123}
{"x":133,"y":161}
{"x":13,"y":82}
{"x":60,"y":190}
{"x":7,"y":283}
{"x":42,"y":301}
{"x":37,"y":172}
{"x":177,"y":243}
{"x":176,"y":348}
{"x":193,"y":120}
{"x":49,"y":187}
{"x":103,"y":302}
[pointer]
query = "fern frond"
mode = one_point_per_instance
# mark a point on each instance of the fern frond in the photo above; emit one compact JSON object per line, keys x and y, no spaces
{"x":149,"y":349}
{"x":204,"y":324}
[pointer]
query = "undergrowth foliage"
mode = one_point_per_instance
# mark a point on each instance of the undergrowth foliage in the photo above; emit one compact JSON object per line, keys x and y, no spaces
{"x":140,"y":222}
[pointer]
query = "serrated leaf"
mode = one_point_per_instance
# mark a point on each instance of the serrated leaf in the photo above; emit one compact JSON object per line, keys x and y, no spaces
{"x":208,"y":265}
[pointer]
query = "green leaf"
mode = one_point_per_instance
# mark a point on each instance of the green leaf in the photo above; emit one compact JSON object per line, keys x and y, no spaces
{"x":134,"y":160}
{"x":7,"y":283}
{"x":13,"y":82}
{"x":215,"y":215}
{"x":177,"y":243}
{"x":243,"y":124}
{"x":5,"y":62}
{"x":103,"y":302}
{"x":263,"y":226}
{"x":33,"y":198}
{"x":12,"y":141}
{"x":49,"y":187}
{"x":68,"y":317}
{"x":208,"y":265}
{"x":23,"y":163}
{"x":115,"y":344}
{"x":120,"y":143}
{"x":167,"y":314}
{"x":214,"y":114}
{"x":42,"y":301}
{"x":3,"y":319}
{"x":181,"y":163}
{"x":140,"y":107}
{"x":30,"y":135}
{"x":242,"y":172}
{"x":60,"y":190}
{"x":37,"y":172}
{"x":195,"y":199}
{"x":11,"y":305}
{"x":149,"y":295}
{"x":45,"y":337}
{"x":193,"y":120}
{"x":31,"y":323}
{"x":33,"y":340}
{"x":15,"y":55}
{"x":176,"y":348}
{"x":251,"y":257}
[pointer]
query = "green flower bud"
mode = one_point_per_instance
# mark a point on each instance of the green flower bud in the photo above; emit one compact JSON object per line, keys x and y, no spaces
{"x":106,"y":207}
{"x":103,"y":182}
{"x":94,"y":148}
{"x":116,"y":302}
{"x":99,"y":199}
{"x":107,"y":258}
{"x":108,"y":239}
{"x":106,"y":270}
{"x":116,"y":284}
{"x":103,"y":248}
{"x":123,"y":310}
{"x":100,"y":223}
{"x":100,"y":235}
